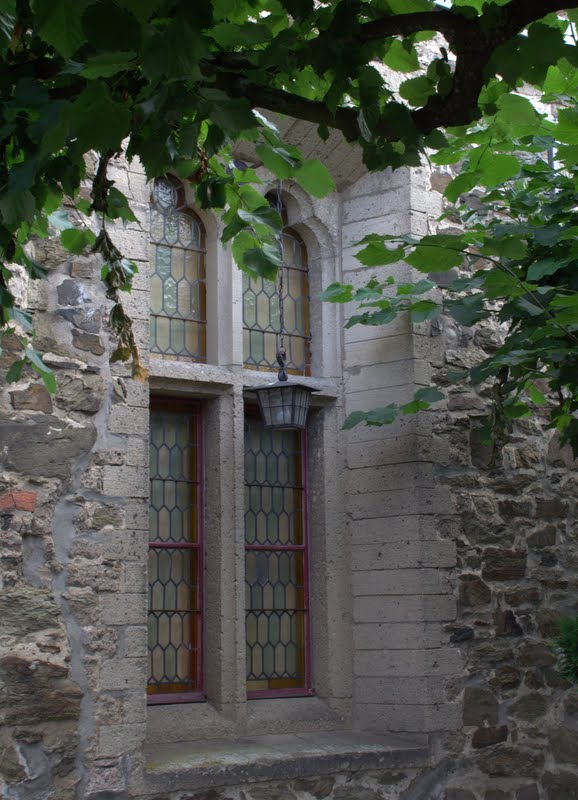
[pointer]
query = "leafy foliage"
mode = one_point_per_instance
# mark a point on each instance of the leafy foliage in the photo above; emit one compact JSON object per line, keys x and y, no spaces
{"x":567,"y":643}
{"x":175,"y":84}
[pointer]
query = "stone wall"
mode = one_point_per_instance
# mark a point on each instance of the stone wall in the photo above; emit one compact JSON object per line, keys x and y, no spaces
{"x":433,"y":527}
{"x":515,"y":526}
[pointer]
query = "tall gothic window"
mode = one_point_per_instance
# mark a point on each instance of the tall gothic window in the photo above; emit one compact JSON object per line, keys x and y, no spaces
{"x":276,"y":562}
{"x":178,"y":297}
{"x":175,"y":553}
{"x":261,"y":307}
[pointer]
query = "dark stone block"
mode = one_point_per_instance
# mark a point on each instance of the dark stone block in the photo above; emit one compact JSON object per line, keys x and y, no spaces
{"x":44,"y":446}
{"x":509,"y":509}
{"x":503,"y":565}
{"x":462,"y":635}
{"x":510,"y":762}
{"x":83,"y":393}
{"x":535,"y":654}
{"x":459,"y":794}
{"x":473,"y":591}
{"x":520,"y":596}
{"x":35,"y":398}
{"x":530,"y":707}
{"x":89,"y":342}
{"x":507,"y":624}
{"x":72,"y":293}
{"x":564,"y":745}
{"x":560,"y":786}
{"x":485,"y":737}
{"x":37,"y":692}
{"x":528,"y":793}
{"x":506,"y":677}
{"x":545,"y":537}
{"x":88,"y":318}
{"x":480,"y":706}
{"x":551,"y":507}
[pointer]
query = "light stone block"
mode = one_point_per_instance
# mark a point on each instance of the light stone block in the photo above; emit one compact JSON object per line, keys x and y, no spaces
{"x":396,"y":503}
{"x":378,"y":376}
{"x":404,"y":690}
{"x":439,"y":608}
{"x":408,"y":718}
{"x":123,"y":609}
{"x":400,"y":582}
{"x":397,"y":635}
{"x":443,"y":661}
{"x":125,"y":482}
{"x":128,"y":419}
{"x":404,"y":555}
{"x":123,"y":673}
{"x":402,"y":529}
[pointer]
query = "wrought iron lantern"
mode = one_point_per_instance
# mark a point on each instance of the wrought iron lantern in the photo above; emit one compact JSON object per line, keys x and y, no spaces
{"x":285,"y":403}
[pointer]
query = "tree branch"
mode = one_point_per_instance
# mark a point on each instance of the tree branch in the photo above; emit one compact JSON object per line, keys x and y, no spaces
{"x":473,"y":41}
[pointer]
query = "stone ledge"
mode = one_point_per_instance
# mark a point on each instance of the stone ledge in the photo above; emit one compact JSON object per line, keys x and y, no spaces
{"x":226,"y":762}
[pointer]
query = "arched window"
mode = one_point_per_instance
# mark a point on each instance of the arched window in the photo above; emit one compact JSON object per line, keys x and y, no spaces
{"x":178,"y":293}
{"x":261,"y":317}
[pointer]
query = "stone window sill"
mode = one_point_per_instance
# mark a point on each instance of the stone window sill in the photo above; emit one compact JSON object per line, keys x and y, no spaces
{"x":225,"y":762}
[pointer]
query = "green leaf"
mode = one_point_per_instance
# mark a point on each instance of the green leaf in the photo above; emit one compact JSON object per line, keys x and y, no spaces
{"x":315,"y":178}
{"x":417,"y":90}
{"x":467,"y":310}
{"x":385,"y":415}
{"x":14,"y":372}
{"x":277,"y":159}
{"x":110,"y":28}
{"x":429,"y":394}
{"x":517,"y":115}
{"x":437,"y":253}
{"x":536,"y":395}
{"x":76,"y":240}
{"x":376,"y":254}
{"x":338,"y":293}
{"x":142,"y":9}
{"x":17,"y":207}
{"x":242,"y":242}
{"x":7,"y":23}
{"x":353,"y":419}
{"x":493,"y":169}
{"x":58,"y":22}
{"x":100,"y":122}
{"x":546,"y":266}
{"x":264,"y":261}
{"x":401,"y":57}
{"x":104,"y":65}
{"x":265,"y":215}
{"x":21,"y":318}
{"x":424,"y":310}
{"x":461,"y":185}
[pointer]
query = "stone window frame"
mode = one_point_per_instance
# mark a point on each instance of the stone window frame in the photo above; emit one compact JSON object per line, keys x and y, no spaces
{"x":222,"y":385}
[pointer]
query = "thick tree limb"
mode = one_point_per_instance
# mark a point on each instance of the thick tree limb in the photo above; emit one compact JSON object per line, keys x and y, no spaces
{"x":473,"y":41}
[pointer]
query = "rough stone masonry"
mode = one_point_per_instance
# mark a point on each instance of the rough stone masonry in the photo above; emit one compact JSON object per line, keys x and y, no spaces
{"x":458,"y":568}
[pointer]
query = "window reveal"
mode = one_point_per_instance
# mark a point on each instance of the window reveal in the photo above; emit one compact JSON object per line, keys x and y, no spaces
{"x":178,"y":293}
{"x":175,"y":554}
{"x":276,"y":562}
{"x":261,"y":325}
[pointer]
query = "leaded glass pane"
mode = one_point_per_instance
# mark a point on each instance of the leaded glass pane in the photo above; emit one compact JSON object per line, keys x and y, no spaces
{"x":175,"y":597}
{"x":178,"y":305}
{"x":261,"y":312}
{"x":276,"y":560}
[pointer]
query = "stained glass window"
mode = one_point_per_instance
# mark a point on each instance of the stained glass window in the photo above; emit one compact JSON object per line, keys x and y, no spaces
{"x":177,"y":290}
{"x":261,"y":318}
{"x":175,"y":570}
{"x":276,"y":568}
